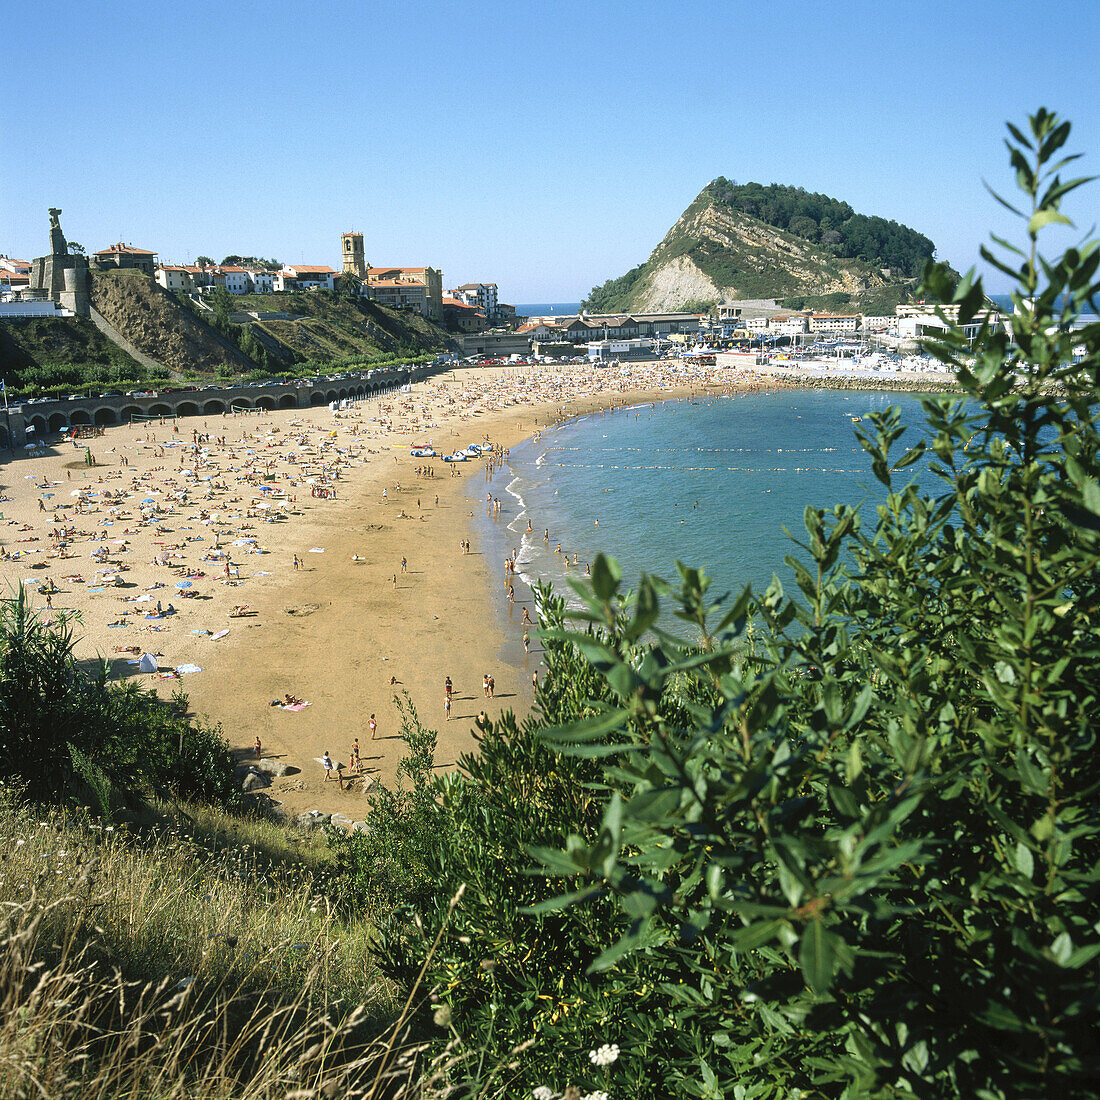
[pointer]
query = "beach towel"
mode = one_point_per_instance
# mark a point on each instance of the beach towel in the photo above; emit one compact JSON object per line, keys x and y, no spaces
{"x":295,"y":706}
{"x":316,"y":549}
{"x":220,"y":634}
{"x":184,"y":669}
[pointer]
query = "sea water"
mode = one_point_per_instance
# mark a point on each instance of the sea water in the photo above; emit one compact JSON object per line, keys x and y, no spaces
{"x":709,"y":481}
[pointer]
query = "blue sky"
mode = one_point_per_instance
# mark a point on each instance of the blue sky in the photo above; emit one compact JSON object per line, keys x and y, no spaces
{"x":542,"y":146}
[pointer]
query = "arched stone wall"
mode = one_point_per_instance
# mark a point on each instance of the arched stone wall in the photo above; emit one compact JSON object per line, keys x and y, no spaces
{"x":187,"y":408}
{"x":212,"y":408}
{"x":127,"y":413}
{"x":105,"y":417}
{"x":160,"y":410}
{"x":80,"y":416}
{"x":288,"y":401}
{"x":265,"y":401}
{"x":316,"y":398}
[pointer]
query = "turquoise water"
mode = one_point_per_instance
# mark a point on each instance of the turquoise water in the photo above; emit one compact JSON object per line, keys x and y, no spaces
{"x":711,"y":482}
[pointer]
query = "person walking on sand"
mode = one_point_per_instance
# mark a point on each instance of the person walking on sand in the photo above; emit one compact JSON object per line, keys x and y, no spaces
{"x":492,"y":688}
{"x":404,"y":565}
{"x":373,"y":728}
{"x":485,"y":685}
{"x":257,"y":747}
{"x":330,"y":769}
{"x":447,"y":706}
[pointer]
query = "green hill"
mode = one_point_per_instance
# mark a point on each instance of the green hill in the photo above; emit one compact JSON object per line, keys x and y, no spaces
{"x":751,"y":241}
{"x":44,"y":350}
{"x":322,"y":327}
{"x":325,"y":325}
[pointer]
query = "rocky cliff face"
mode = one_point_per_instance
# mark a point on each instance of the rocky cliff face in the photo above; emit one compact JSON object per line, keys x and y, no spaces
{"x":714,"y":253}
{"x":158,"y":326}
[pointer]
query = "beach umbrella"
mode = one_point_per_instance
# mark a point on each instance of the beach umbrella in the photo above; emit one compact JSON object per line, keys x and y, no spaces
{"x":76,"y":492}
{"x":183,"y":584}
{"x":147,"y":663}
{"x":266,"y":489}
{"x":146,"y":598}
{"x":149,"y":500}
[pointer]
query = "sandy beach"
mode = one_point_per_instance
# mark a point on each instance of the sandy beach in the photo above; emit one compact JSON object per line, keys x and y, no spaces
{"x":206,"y":518}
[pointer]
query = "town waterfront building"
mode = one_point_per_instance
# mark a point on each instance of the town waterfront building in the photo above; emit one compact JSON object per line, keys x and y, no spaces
{"x":481,"y":295}
{"x":304,"y":277}
{"x":126,"y":256}
{"x":419,"y":288}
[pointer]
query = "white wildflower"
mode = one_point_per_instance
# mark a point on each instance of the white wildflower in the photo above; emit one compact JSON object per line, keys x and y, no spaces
{"x":543,"y":1093}
{"x":606,"y":1054}
{"x":595,"y":1096}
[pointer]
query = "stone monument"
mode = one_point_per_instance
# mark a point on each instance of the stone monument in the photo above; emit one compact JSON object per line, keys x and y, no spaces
{"x":61,"y":277}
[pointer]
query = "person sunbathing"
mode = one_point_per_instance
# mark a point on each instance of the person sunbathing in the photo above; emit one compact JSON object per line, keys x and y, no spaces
{"x":292,"y":700}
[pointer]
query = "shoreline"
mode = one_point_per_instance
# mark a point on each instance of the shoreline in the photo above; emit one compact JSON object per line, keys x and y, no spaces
{"x":337,"y":630}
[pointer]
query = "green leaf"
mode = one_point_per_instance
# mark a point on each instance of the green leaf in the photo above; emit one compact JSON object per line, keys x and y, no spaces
{"x":1025,"y":861}
{"x":1042,"y":218}
{"x":606,"y":576}
{"x":588,"y":729}
{"x":817,"y":957}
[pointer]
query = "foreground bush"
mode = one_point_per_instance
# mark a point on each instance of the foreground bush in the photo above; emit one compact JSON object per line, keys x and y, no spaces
{"x":859,"y":856}
{"x":62,"y":728}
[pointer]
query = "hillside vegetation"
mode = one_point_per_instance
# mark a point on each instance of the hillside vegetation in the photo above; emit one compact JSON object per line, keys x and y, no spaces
{"x":329,"y":326}
{"x":750,"y":241}
{"x":49,"y":355}
{"x":158,"y":326}
{"x":39,"y":352}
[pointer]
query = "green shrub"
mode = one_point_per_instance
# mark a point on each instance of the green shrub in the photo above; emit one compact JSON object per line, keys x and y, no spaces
{"x":58,"y":722}
{"x":874,"y":857}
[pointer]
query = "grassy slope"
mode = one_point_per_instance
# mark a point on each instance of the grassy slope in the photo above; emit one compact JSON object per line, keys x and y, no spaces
{"x":328,"y":326}
{"x":48,"y":342}
{"x":234,"y":911}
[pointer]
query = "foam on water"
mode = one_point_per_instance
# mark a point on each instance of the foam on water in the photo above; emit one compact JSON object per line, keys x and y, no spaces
{"x":588,"y":481}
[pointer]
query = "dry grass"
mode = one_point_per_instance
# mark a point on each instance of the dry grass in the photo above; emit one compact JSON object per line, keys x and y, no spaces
{"x":182,"y":961}
{"x":197,"y":961}
{"x":71,"y":1026}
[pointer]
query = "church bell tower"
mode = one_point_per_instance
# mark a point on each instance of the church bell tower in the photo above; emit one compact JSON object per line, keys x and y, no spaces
{"x":351,"y":248}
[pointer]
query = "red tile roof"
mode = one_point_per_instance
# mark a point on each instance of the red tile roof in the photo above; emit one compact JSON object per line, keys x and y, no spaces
{"x":124,"y":249}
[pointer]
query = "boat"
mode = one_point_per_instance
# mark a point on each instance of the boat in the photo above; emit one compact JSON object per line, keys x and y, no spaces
{"x":458,"y":456}
{"x":422,"y":452}
{"x":856,"y":419}
{"x":473,"y":451}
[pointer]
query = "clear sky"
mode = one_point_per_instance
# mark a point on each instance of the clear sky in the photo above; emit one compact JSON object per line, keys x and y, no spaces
{"x":544,"y":146}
